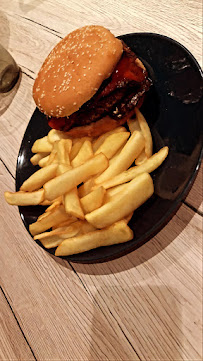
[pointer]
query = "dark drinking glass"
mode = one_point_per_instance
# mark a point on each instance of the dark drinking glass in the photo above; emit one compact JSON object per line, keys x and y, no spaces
{"x":9,"y":71}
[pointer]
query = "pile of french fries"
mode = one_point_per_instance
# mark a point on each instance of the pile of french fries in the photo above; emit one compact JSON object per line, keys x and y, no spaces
{"x":87,"y":184}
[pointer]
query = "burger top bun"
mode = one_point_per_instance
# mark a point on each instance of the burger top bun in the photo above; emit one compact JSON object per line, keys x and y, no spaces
{"x":75,"y":69}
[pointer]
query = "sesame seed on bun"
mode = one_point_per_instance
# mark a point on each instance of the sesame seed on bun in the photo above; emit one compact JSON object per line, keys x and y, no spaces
{"x":75,"y":69}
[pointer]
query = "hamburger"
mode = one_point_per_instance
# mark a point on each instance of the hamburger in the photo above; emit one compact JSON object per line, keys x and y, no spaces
{"x":90,"y":83}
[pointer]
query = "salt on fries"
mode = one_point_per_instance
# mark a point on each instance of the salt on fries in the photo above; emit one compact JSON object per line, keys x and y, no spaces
{"x":88,"y":188}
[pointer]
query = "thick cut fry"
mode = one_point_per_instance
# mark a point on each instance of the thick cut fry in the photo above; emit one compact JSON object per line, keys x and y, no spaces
{"x":63,"y":151}
{"x":128,"y":217}
{"x":149,"y":166}
{"x":72,"y":204}
{"x":48,"y":203}
{"x":39,"y":178}
{"x":117,"y":233}
{"x":54,"y":238}
{"x":86,"y":187}
{"x":86,"y":227}
{"x":42,"y":145}
{"x":126,"y":157}
{"x":54,"y":205}
{"x":111,"y":192}
{"x":53,"y":218}
{"x":141,"y":158}
{"x":134,"y":195}
{"x":77,"y":144}
{"x":112,"y":144}
{"x":43,"y":162}
{"x":24,"y":198}
{"x":146,"y":133}
{"x":53,"y":158}
{"x":93,"y":200}
{"x":98,"y":142}
{"x":62,"y":168}
{"x":37,"y":157}
{"x":67,"y":181}
{"x":66,"y":223}
{"x":133,"y":125}
{"x":83,"y":155}
{"x":55,"y":135}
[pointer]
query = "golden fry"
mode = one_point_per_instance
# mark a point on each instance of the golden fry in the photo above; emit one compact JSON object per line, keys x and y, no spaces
{"x":24,"y":198}
{"x":83,"y":155}
{"x":130,"y":151}
{"x":67,"y":181}
{"x":56,"y":135}
{"x":42,"y":145}
{"x":72,"y":204}
{"x":39,"y":178}
{"x":142,"y":157}
{"x":149,"y":166}
{"x":146,"y":133}
{"x":116,"y":233}
{"x":93,"y":200}
{"x":112,"y":144}
{"x":98,"y":142}
{"x":86,"y":187}
{"x":43,"y":162}
{"x":52,"y":219}
{"x":134,"y":195}
{"x":37,"y":157}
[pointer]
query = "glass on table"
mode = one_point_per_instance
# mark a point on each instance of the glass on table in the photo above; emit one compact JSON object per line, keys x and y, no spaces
{"x":9,"y":71}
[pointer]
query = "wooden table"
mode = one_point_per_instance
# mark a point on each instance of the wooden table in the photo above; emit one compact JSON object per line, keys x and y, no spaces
{"x":143,"y":306}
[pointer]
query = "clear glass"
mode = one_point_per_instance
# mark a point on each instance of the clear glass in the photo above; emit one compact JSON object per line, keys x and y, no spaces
{"x":9,"y":71}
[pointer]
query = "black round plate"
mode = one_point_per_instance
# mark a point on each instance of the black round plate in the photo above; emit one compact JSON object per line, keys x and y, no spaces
{"x":174,"y":110}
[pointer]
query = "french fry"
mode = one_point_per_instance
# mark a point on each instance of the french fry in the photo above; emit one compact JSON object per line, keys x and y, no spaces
{"x":86,"y":227}
{"x":134,"y":195}
{"x":149,"y":166}
{"x":83,"y":155}
{"x":24,"y":198}
{"x":128,"y":217}
{"x":130,"y":151}
{"x":54,"y":238}
{"x":86,"y":187}
{"x":72,"y":178}
{"x":116,"y":233}
{"x":48,"y":203}
{"x":62,"y":168}
{"x":54,"y":205}
{"x":43,"y":162}
{"x":133,"y":125}
{"x":111,"y":192}
{"x":98,"y":142}
{"x":77,"y":144}
{"x":63,"y":150}
{"x":66,"y":223}
{"x":142,"y":157}
{"x":43,"y":215}
{"x":112,"y":144}
{"x":146,"y":133}
{"x":39,"y":178}
{"x":93,"y":200}
{"x":37,"y":157}
{"x":72,"y":204}
{"x":52,"y":219}
{"x":56,"y":135}
{"x":53,"y":158}
{"x":42,"y":145}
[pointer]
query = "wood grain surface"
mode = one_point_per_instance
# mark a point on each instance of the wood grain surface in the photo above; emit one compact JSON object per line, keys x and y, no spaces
{"x":146,"y":305}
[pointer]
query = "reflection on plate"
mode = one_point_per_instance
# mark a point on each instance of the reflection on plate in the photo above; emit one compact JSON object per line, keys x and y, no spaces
{"x":174,"y":109}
